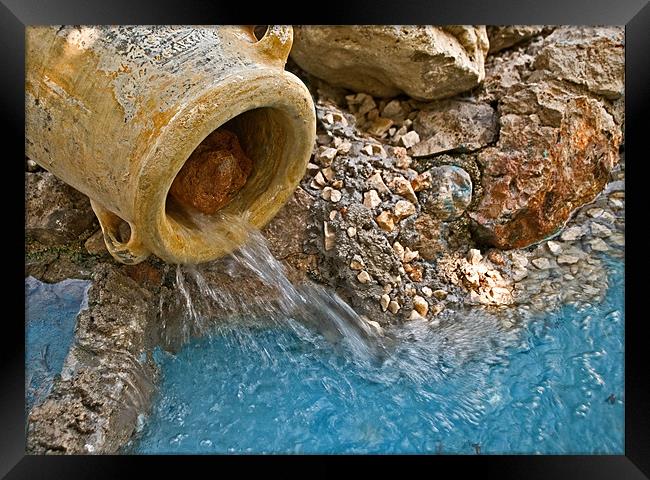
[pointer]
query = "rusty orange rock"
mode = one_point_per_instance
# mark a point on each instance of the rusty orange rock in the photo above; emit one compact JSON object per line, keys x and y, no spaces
{"x":538,"y":175}
{"x":213,"y":174}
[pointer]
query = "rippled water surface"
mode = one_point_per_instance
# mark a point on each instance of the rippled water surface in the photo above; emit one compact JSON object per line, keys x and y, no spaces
{"x":277,"y":386}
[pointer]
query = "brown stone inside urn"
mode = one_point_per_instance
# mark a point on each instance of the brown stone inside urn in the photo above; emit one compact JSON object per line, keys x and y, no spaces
{"x":213,"y":174}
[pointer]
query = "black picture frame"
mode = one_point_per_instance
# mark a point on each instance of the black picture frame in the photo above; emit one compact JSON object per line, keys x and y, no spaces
{"x":15,"y":15}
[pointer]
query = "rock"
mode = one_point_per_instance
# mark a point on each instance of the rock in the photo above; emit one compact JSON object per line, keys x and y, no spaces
{"x":519,"y":260}
{"x":410,"y":255}
{"x":394,"y":307}
{"x":538,"y":175}
{"x":518,"y":275}
{"x":567,"y":259}
{"x":384,"y":301}
{"x":437,"y":308}
{"x":327,"y":193}
{"x":572,"y":233}
{"x":371,"y":199}
{"x":352,"y":231}
{"x":502,"y":37}
{"x":90,"y":408}
{"x":328,"y":173}
{"x":319,"y":179}
{"x":589,"y":56}
{"x":542,"y":263}
{"x":402,"y":160}
{"x":326,"y":155}
{"x":399,"y":250}
{"x":420,"y":305}
{"x":414,"y":272}
{"x":392,"y":110}
{"x":600,"y":230}
{"x":618,"y":239}
{"x":440,"y":294}
{"x":501,"y":296}
{"x":426,"y":291}
{"x":379,"y":126}
{"x":403,"y":209}
{"x":495,"y":257}
{"x":55,"y":212}
{"x":374,"y":149}
{"x":450,"y":192}
{"x":409,"y":139}
{"x":454,"y":125}
{"x":32,"y":166}
{"x":595,"y":212}
{"x":474,"y":256}
{"x":375,"y":325}
{"x":421,"y":182}
{"x":364,"y":277}
{"x":425,"y":62}
{"x":598,"y":245}
{"x":554,"y":247}
{"x":329,"y":236}
{"x":403,"y":188}
{"x":213,"y":174}
{"x":95,"y":245}
{"x":357,"y":263}
{"x":386,"y":221}
{"x":377,"y":183}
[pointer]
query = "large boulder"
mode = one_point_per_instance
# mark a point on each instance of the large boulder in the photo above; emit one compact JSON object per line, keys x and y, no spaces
{"x":559,"y":136}
{"x":593,"y":57}
{"x":424,"y":62}
{"x":537,"y":175}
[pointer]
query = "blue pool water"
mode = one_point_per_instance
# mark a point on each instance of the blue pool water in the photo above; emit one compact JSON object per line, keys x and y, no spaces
{"x":50,"y":317}
{"x":553,"y":387}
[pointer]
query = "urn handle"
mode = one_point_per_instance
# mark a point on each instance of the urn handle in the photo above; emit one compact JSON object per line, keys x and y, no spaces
{"x":129,"y":252}
{"x":276,"y":42}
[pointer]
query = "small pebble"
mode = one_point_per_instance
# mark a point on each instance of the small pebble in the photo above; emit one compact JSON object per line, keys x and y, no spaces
{"x":474,"y":256}
{"x":394,"y":307}
{"x":420,"y":305}
{"x":363,"y":277}
{"x":384,"y":301}
{"x":541,"y":263}
{"x":385,"y":221}
{"x":357,"y":263}
{"x":554,"y":247}
{"x":371,"y":199}
{"x":403,"y":209}
{"x":409,"y":139}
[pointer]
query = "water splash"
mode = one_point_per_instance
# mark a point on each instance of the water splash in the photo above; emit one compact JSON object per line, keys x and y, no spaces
{"x":252,"y":286}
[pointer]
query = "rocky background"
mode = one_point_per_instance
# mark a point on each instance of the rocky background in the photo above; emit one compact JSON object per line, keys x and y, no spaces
{"x":456,"y":167}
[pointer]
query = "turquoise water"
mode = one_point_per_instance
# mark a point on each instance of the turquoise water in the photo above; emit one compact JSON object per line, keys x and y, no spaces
{"x":555,"y":386}
{"x":50,"y":317}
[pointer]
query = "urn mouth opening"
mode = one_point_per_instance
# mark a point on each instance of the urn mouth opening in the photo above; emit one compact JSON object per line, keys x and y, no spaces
{"x":235,"y":177}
